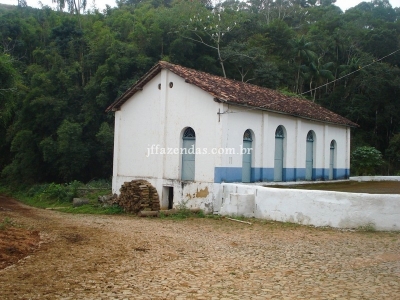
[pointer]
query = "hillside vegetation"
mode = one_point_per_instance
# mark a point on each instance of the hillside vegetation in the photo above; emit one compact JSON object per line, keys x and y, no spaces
{"x":60,"y":70}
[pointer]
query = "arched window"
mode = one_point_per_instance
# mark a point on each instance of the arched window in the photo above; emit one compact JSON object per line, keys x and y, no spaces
{"x":279,"y":132}
{"x":246,"y":156}
{"x":332,"y":160}
{"x":189,"y":133}
{"x":310,"y":136}
{"x":188,"y":154}
{"x":279,"y":151}
{"x":310,"y":155}
{"x":247,"y":136}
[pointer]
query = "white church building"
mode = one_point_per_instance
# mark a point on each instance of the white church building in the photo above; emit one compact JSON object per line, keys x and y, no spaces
{"x":186,"y":132}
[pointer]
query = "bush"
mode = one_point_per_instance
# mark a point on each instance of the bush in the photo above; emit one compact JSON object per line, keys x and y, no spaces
{"x":54,"y":191}
{"x":366,"y":160}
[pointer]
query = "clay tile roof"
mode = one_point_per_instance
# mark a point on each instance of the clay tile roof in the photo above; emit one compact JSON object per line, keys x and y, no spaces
{"x":240,"y":93}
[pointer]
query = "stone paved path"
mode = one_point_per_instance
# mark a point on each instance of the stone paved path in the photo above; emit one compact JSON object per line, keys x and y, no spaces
{"x":123,"y":257}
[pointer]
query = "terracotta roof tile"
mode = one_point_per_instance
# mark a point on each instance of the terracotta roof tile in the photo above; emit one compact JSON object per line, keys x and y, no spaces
{"x":240,"y":93}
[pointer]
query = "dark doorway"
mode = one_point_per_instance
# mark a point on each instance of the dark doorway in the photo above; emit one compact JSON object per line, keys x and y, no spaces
{"x":170,"y":197}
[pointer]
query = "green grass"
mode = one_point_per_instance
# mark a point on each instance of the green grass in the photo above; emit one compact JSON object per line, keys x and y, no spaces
{"x":7,"y":222}
{"x":182,"y":214}
{"x":367,"y":228}
{"x":94,"y":209}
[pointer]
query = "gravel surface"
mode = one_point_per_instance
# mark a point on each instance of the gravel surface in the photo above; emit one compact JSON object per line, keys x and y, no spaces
{"x":124,"y":257}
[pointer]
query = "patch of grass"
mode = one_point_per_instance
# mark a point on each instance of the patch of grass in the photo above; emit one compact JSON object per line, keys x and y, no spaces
{"x":289,"y":224}
{"x":214,"y":217}
{"x":370,"y":227}
{"x":240,"y":218}
{"x":270,"y":224}
{"x":94,"y":209}
{"x":7,"y":222}
{"x":182,"y":212}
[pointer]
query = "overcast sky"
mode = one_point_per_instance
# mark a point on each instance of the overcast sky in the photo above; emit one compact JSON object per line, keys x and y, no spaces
{"x":101,"y":4}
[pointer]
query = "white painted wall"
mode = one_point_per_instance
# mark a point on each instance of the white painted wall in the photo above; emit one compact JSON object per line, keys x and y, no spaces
{"x":158,"y":117}
{"x":318,"y":208}
{"x":187,"y":106}
{"x":236,"y":124}
{"x":238,"y":205}
{"x":137,"y":127}
{"x":375,"y":178}
{"x":264,"y":124}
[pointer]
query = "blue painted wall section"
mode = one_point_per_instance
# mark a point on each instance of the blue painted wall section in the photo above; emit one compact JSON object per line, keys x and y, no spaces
{"x":300,"y":174}
{"x":318,"y":174}
{"x":341,"y":173}
{"x":289,"y":174}
{"x":229,"y":174}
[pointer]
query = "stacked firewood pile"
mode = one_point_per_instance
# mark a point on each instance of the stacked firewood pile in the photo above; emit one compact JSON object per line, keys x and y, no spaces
{"x":137,"y":196}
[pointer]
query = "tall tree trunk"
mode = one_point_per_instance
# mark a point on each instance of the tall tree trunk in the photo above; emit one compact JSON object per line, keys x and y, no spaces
{"x":220,"y":58}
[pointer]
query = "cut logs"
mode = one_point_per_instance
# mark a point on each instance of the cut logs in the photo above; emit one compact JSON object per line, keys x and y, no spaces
{"x":138,"y":195}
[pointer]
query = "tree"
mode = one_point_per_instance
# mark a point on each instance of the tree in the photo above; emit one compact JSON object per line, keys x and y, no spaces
{"x":22,"y":3}
{"x":25,"y":165}
{"x":303,"y":55}
{"x":8,"y":79}
{"x":67,"y":154}
{"x":393,"y":153}
{"x":73,"y":6}
{"x":316,"y":72}
{"x":209,"y":28}
{"x":9,"y":83}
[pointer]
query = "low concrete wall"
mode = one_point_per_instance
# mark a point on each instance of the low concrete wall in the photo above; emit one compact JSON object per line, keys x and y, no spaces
{"x":375,"y":178}
{"x":239,"y":204}
{"x":318,"y":208}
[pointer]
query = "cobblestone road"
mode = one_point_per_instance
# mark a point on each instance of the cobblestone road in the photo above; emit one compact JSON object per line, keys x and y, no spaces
{"x":122,"y":257}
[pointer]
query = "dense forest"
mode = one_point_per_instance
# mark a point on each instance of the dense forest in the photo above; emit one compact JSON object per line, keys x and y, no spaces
{"x":59,"y":70}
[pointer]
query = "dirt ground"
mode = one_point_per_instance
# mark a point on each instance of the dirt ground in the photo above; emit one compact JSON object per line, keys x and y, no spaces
{"x":15,"y":242}
{"x":46,"y":254}
{"x":370,"y":187}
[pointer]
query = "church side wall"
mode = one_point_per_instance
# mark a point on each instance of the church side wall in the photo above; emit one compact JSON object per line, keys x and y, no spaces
{"x":136,"y":125}
{"x":263,"y":126}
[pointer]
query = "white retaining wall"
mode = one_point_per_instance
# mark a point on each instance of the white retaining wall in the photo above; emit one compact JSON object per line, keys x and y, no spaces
{"x":318,"y":208}
{"x":375,"y":178}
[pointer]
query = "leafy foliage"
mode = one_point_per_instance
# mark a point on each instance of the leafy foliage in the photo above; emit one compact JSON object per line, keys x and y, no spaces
{"x":393,"y":152}
{"x":56,"y":192}
{"x":365,"y":160}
